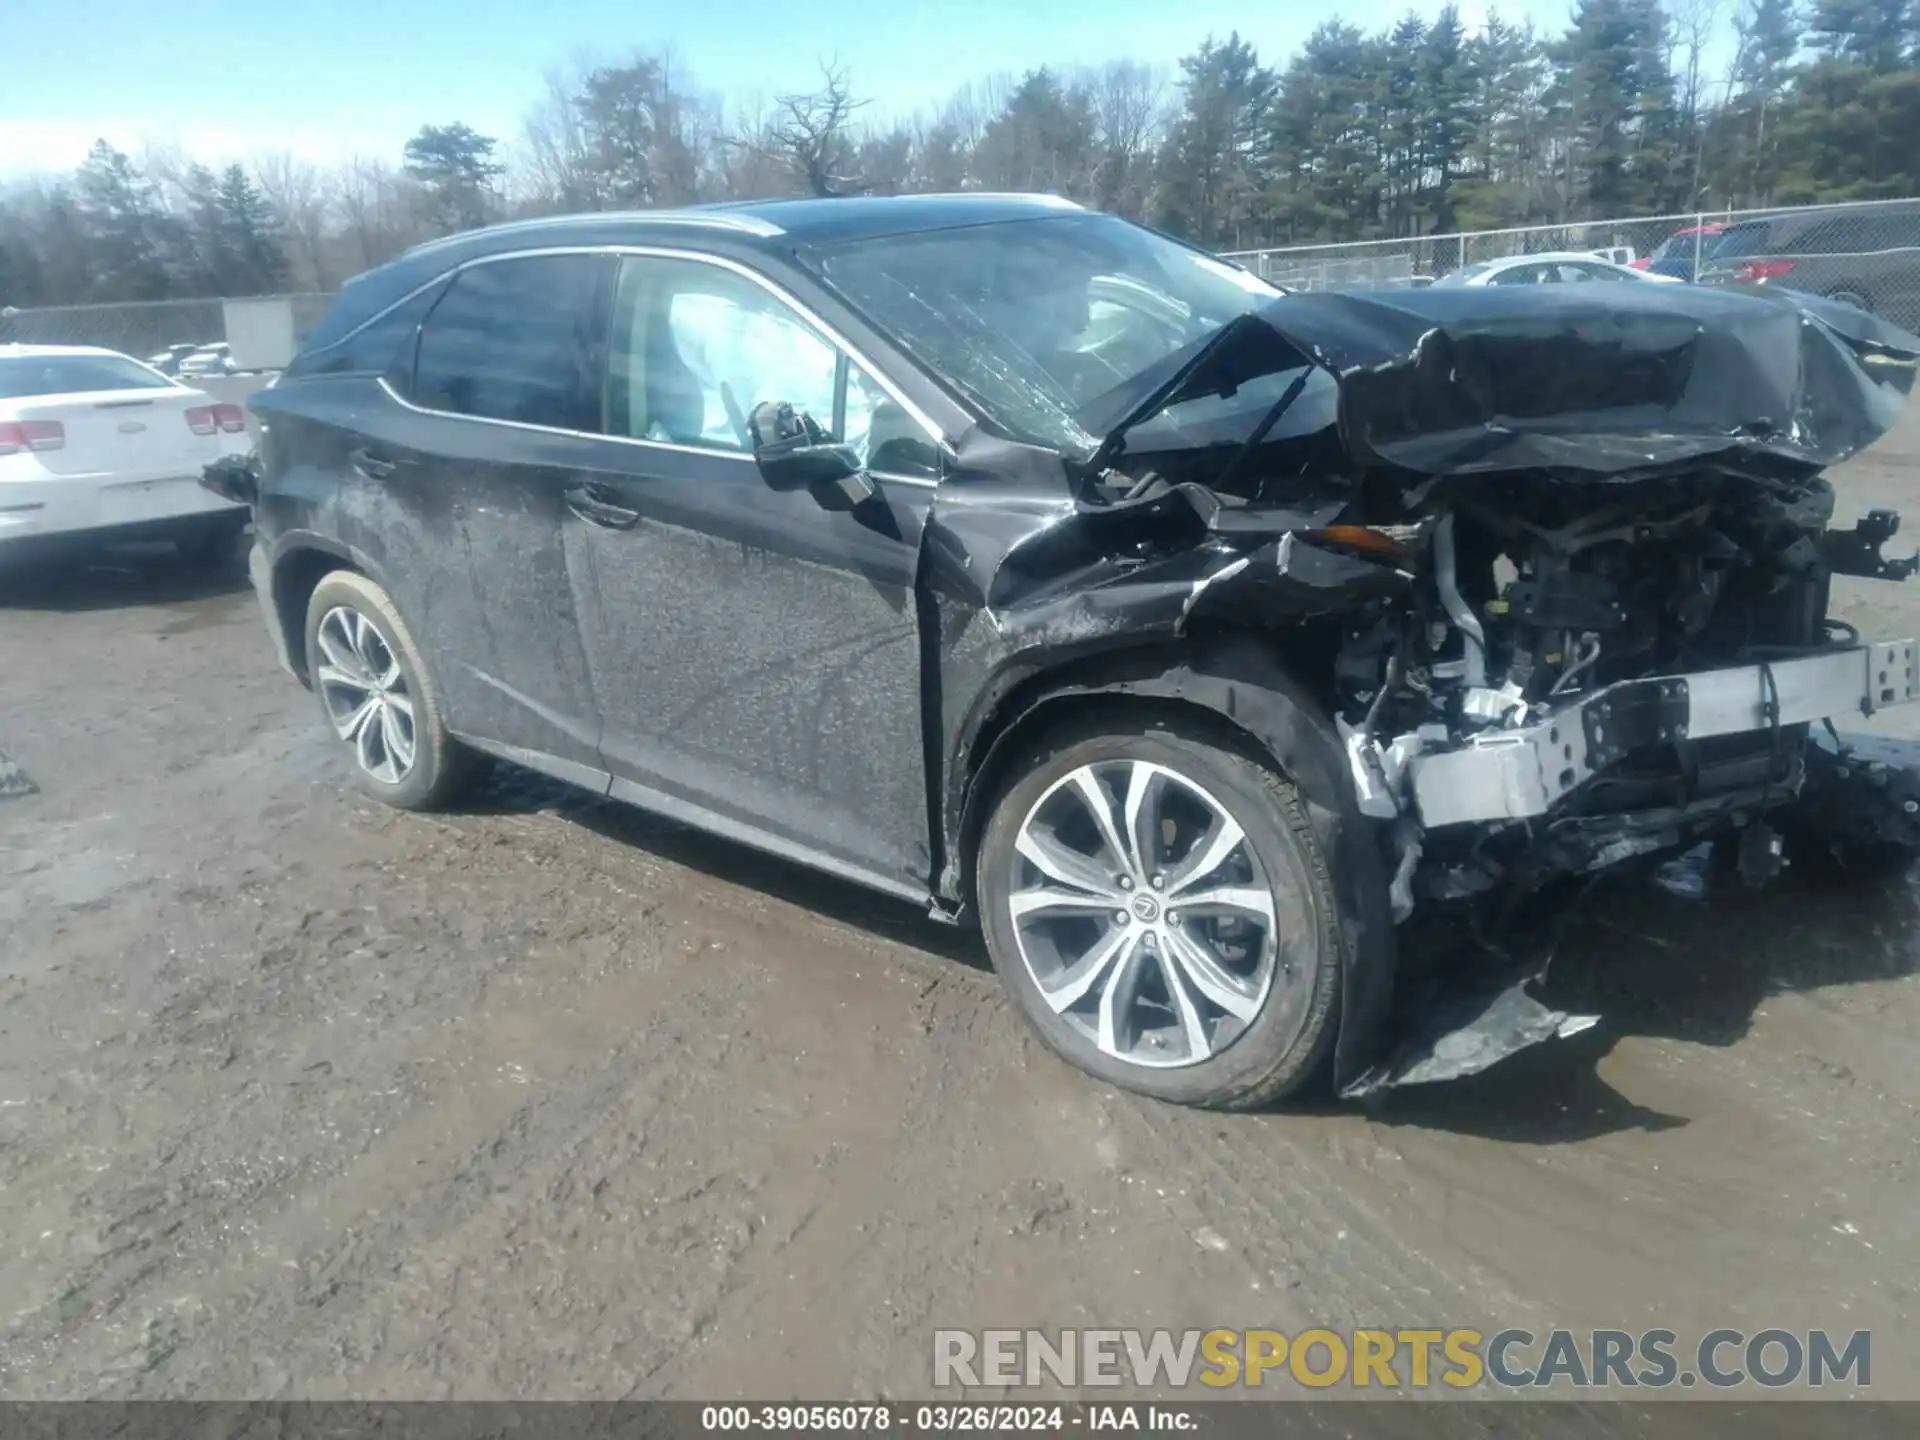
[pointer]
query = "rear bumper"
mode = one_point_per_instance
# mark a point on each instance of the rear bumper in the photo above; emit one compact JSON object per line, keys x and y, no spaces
{"x":81,"y":504}
{"x":1520,"y":773}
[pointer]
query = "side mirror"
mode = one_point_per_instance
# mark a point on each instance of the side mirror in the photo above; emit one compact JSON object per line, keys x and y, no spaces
{"x":795,"y":452}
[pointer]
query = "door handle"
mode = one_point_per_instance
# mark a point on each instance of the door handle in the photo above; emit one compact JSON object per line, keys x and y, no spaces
{"x":595,"y":511}
{"x":374,"y":467}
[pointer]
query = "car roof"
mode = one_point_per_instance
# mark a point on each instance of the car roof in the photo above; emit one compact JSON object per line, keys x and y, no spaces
{"x":763,"y":221}
{"x":766,"y":225}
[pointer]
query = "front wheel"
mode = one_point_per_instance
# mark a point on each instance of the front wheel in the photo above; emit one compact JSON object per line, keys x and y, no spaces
{"x":378,"y":698}
{"x":1161,"y":910}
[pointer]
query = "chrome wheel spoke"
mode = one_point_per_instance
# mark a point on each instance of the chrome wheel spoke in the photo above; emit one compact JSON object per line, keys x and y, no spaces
{"x":1044,"y":899}
{"x":369,"y":741}
{"x":1073,"y":984}
{"x":1196,"y":961}
{"x":1144,"y":786}
{"x":1093,"y":794}
{"x":1063,"y":865}
{"x":333,"y":675}
{"x":1211,"y":852}
{"x":399,"y":746}
{"x":1191,"y":1024}
{"x":1117,"y":997}
{"x":400,"y":701}
{"x":1253,"y":900}
{"x":355,"y":721}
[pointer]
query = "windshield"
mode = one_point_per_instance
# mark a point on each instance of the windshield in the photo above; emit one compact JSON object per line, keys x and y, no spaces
{"x":1034,"y":319}
{"x":25,"y":376}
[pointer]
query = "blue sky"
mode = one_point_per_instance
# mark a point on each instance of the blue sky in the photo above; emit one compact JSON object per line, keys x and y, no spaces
{"x":328,"y":79}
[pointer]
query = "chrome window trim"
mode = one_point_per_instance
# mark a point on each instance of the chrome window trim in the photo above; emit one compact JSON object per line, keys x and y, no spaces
{"x":660,"y":252}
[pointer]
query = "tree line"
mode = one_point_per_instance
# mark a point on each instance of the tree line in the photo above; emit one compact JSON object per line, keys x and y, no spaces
{"x":1425,"y":127}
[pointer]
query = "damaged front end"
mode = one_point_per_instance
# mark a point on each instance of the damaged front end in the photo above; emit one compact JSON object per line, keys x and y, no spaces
{"x":1555,"y":567}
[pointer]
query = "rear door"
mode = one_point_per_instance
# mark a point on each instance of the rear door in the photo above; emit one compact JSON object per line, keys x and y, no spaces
{"x":502,"y":380}
{"x":755,"y":656}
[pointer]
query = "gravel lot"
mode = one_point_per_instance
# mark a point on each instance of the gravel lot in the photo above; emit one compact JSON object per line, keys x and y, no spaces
{"x":304,"y":1098}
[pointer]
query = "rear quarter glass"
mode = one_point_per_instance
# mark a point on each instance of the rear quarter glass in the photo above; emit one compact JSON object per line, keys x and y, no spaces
{"x":355,"y":339}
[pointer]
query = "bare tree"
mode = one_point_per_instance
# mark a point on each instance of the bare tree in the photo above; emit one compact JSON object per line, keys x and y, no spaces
{"x":812,"y":134}
{"x":298,"y":195}
{"x":1129,"y":103}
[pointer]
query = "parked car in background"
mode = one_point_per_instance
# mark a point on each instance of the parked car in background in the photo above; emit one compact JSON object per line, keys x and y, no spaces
{"x":1683,"y":254}
{"x":1868,"y":258}
{"x":214,"y":359}
{"x":96,"y":447}
{"x":1618,"y":254}
{"x":1569,"y":268}
{"x":168,"y":361}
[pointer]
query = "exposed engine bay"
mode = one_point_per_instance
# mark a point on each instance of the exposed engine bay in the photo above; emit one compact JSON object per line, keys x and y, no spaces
{"x":1559,"y":564}
{"x":1574,"y":679}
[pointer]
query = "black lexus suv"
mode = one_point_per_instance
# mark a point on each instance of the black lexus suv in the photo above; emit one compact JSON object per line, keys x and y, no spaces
{"x":1023,"y":562}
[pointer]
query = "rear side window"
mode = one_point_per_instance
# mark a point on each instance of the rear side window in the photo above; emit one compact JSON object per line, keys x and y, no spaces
{"x":24,"y":376}
{"x":373,"y":348}
{"x":516,"y":340}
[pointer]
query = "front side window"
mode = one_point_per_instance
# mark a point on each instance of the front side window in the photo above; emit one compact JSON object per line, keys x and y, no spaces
{"x":697,"y":346}
{"x":514,"y":340}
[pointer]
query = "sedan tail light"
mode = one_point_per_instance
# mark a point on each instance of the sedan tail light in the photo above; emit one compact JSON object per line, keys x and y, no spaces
{"x":205,"y":419}
{"x":1642,"y":263}
{"x":18,"y":435}
{"x":1756,"y":271}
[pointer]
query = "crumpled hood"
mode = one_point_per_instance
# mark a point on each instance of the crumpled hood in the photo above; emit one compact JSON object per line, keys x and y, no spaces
{"x":1608,"y":380}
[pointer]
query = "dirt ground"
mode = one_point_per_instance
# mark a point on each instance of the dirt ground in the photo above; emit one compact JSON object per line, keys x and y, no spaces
{"x":304,"y":1098}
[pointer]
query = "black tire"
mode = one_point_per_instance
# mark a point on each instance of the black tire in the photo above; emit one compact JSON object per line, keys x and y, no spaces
{"x":440,"y":766}
{"x":1286,"y":1046}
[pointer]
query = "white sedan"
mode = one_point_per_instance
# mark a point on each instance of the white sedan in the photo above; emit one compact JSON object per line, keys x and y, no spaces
{"x":97,"y":447}
{"x":1570,"y":268}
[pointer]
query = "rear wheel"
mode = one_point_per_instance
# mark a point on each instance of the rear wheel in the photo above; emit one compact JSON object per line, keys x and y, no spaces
{"x":1160,"y":908}
{"x":377,"y":697}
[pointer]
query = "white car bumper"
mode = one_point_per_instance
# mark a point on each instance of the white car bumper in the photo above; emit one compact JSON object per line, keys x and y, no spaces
{"x":45,"y":505}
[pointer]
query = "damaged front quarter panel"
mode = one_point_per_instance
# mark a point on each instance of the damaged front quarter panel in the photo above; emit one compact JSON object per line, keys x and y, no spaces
{"x":1045,"y":580}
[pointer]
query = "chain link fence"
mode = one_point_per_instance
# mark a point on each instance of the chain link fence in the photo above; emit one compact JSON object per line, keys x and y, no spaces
{"x":144,"y":329}
{"x":1867,"y":254}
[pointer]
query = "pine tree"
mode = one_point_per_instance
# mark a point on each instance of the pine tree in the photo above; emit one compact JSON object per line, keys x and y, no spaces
{"x":133,"y":244}
{"x":455,"y":168}
{"x":258,"y":264}
{"x":1207,"y":183}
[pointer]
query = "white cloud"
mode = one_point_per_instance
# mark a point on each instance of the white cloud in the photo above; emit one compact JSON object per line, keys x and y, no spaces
{"x":29,"y":147}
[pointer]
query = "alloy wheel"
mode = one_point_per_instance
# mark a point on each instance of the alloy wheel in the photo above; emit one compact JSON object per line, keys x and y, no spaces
{"x":1142,"y":913}
{"x":365,"y":693}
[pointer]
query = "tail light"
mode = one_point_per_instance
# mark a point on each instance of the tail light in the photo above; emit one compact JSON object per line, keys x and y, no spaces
{"x":18,"y":435}
{"x":205,"y":419}
{"x":1642,"y":263}
{"x":1756,"y":272}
